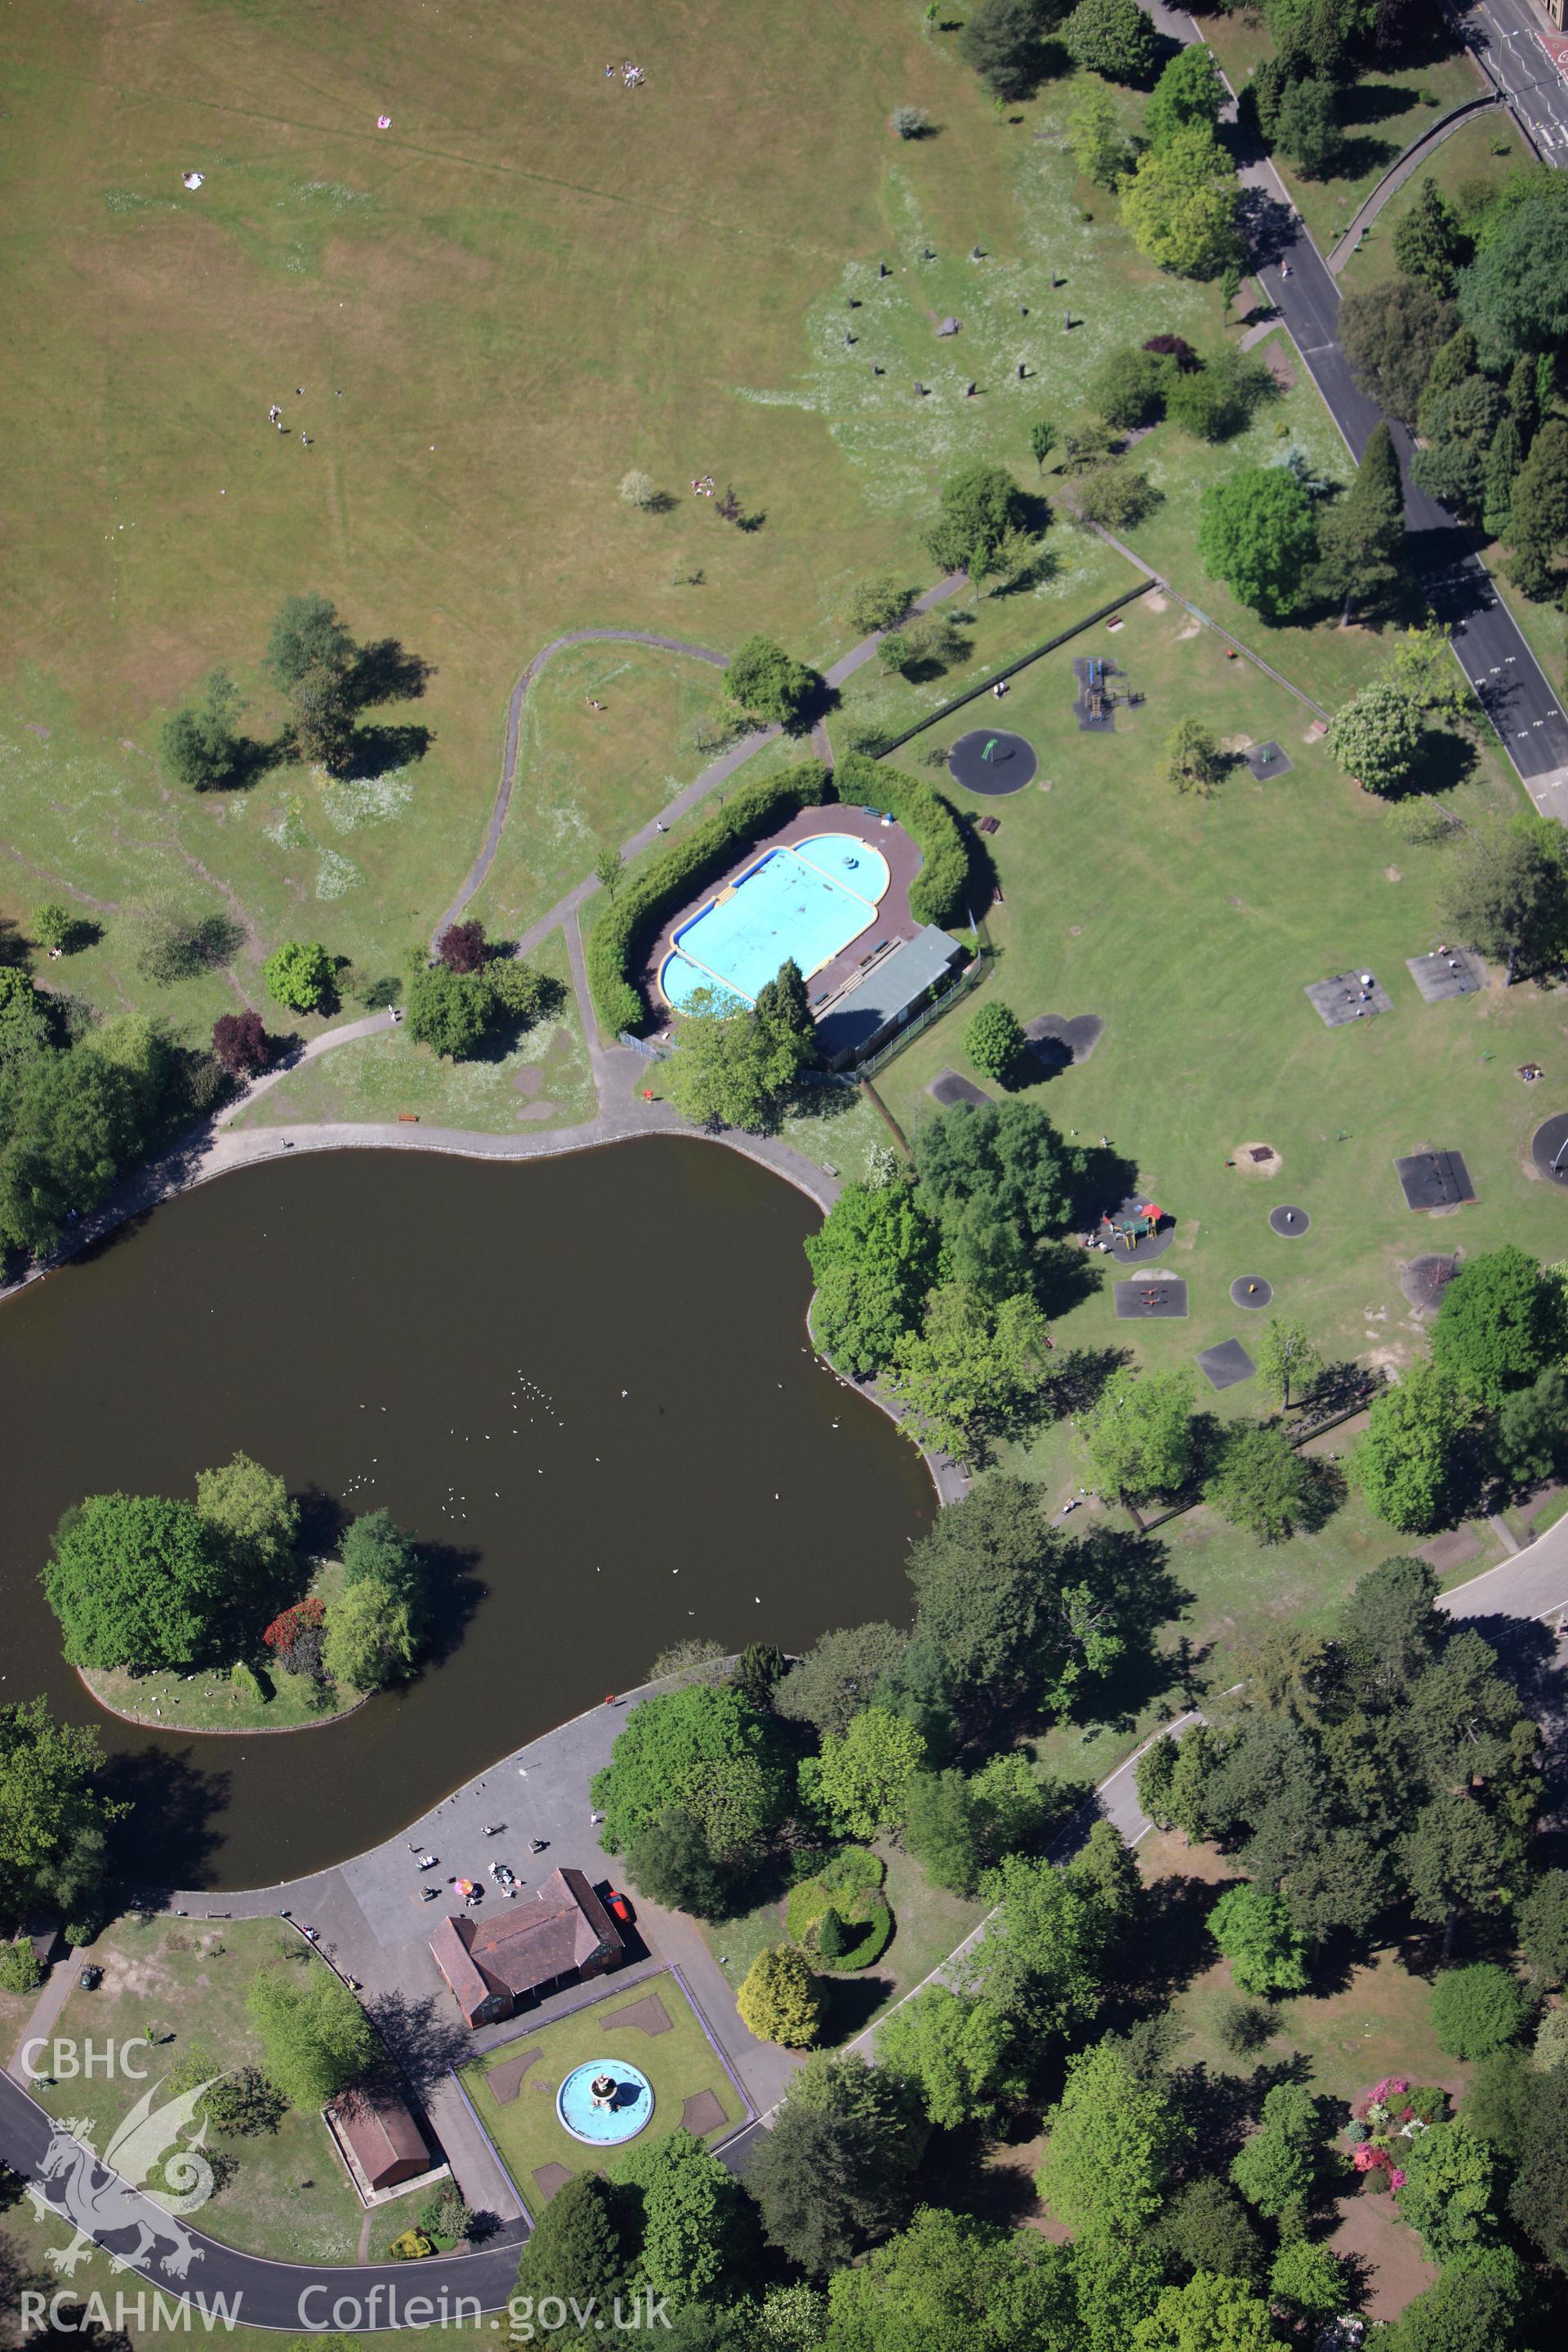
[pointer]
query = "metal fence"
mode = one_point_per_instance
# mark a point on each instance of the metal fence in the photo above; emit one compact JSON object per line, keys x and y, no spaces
{"x":933,"y":1011}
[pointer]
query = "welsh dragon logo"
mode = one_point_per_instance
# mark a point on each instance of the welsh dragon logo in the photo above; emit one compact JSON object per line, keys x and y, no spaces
{"x":100,"y":2196}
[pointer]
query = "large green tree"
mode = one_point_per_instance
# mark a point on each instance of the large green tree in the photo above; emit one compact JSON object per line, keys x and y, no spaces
{"x":1538,"y":517}
{"x":999,"y":1181}
{"x":1208,"y":2315}
{"x":1003,"y":42}
{"x":138,"y":1581}
{"x":1191,"y":89}
{"x":1360,"y":537}
{"x":1111,"y":2142}
{"x":1506,"y":890}
{"x":961,"y":2054}
{"x":316,"y":2041}
{"x":731,"y":1067}
{"x":1040,"y":1962}
{"x":1113,"y":37}
{"x":1307,"y":126}
{"x":582,"y":2244}
{"x":951,"y":2280}
{"x":704,"y":1751}
{"x":840,"y":1674}
{"x":1138,"y":1434}
{"x":53,"y":1814}
{"x":1428,"y":242}
{"x":972,"y":1370}
{"x":834,"y":2170}
{"x":1376,"y":738}
{"x":67,"y":1127}
{"x":982,"y":512}
{"x":1451,"y":2193}
{"x":249,"y":1510}
{"x":1514,"y":295}
{"x":762,"y":678}
{"x":1257,"y":533}
{"x":860,"y":1782}
{"x":1406,"y":1462}
{"x":1252,"y":1927}
{"x":874,"y":1259}
{"x":1181,"y":203}
{"x":198,"y":745}
{"x":369,"y":1640}
{"x":1261,"y":1483}
{"x":699,"y":2228}
{"x":1500,"y":1324}
{"x":1391,"y":334}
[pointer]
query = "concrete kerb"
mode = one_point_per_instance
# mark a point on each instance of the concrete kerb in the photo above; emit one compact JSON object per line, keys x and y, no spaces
{"x":1402,"y":168}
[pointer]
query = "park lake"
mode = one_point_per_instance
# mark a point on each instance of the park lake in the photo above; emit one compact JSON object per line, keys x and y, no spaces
{"x":584,"y":1385}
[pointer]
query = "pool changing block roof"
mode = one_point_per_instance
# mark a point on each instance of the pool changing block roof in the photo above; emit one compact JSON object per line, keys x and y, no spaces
{"x":876,"y":1002}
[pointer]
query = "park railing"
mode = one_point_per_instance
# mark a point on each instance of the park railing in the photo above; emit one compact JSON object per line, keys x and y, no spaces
{"x":1011,"y":669}
{"x":950,"y":995}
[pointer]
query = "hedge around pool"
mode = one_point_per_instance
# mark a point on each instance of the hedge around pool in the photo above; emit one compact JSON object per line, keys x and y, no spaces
{"x":936,"y":894}
{"x":621,"y":934}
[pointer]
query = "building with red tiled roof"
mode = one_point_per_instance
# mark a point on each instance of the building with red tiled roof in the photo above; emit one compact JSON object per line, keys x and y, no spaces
{"x":555,"y":1937}
{"x":379,"y":2134}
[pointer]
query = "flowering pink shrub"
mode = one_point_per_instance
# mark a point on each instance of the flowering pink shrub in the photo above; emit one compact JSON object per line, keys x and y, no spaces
{"x":1397,"y":2180}
{"x":1364,"y":2157}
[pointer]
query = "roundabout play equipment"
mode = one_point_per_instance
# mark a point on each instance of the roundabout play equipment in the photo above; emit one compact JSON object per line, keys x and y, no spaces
{"x":1549,"y":1148}
{"x":603,"y":2102}
{"x":991,"y":760}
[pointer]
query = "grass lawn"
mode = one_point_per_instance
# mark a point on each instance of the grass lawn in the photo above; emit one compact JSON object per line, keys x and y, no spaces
{"x":543,"y":1080}
{"x":587,"y":778}
{"x":532,"y":281}
{"x":1467,"y":167}
{"x":286,"y":2194}
{"x":680,"y":2062}
{"x":208,"y":1701}
{"x":1381,"y":114}
{"x":1376,"y":2021}
{"x":1194,"y":927}
{"x":930,"y":1923}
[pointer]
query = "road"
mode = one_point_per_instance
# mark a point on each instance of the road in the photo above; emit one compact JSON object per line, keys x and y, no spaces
{"x":1508,"y":40}
{"x":1513,"y":689}
{"x":258,"y":2293}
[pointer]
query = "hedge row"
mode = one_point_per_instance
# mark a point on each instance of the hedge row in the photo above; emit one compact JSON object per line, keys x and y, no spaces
{"x":936,"y":894}
{"x":621,"y":934}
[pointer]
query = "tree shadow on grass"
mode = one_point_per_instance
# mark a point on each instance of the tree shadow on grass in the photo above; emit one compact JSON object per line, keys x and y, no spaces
{"x":849,"y":2004}
{"x":963,"y":2172}
{"x":1365,"y":158}
{"x":1373,"y":101}
{"x":384,"y":671}
{"x":378,"y":750}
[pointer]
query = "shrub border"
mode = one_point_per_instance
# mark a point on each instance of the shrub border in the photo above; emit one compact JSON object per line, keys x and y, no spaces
{"x":707,"y":849}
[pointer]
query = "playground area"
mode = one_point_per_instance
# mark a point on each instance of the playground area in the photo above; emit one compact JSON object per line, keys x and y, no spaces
{"x":992,"y":761}
{"x":1199,"y":926}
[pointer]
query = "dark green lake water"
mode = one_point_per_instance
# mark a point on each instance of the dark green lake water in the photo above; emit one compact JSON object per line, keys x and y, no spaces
{"x":451,"y":1339}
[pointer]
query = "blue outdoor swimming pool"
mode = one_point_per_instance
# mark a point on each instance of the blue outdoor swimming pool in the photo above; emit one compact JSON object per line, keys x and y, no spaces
{"x":807,"y":901}
{"x":620,"y":2111}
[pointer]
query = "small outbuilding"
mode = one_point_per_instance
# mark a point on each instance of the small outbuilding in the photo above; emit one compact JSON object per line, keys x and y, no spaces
{"x":378,"y":2138}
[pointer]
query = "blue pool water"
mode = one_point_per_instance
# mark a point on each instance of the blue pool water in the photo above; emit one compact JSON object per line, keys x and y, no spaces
{"x":807,"y":901}
{"x":629,"y":2109}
